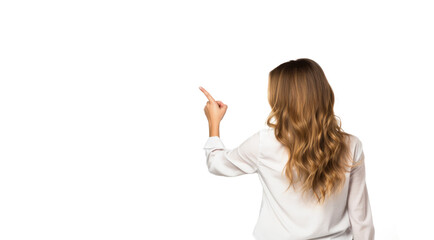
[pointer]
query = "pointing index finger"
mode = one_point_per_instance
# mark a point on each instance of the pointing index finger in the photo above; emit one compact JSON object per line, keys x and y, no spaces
{"x":210,"y":98}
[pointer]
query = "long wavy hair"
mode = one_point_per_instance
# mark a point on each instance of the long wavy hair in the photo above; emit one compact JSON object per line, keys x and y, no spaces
{"x":302,"y":101}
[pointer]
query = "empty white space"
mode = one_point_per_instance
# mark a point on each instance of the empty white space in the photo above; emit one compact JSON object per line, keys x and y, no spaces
{"x":102,"y":122}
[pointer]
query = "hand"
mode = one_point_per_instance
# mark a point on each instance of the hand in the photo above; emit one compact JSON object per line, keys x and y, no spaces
{"x":214,"y":110}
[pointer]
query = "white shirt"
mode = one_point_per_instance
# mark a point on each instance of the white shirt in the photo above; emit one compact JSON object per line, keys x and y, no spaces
{"x":286,"y":215}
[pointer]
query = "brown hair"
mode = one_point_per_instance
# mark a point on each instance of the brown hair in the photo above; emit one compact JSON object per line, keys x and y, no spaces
{"x":301,"y":101}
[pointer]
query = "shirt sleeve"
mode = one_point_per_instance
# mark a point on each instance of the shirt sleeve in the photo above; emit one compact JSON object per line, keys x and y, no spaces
{"x":359,"y":208}
{"x":243,"y":159}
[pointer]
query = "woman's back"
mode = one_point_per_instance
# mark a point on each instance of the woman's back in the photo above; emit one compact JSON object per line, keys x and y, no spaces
{"x":289,"y":215}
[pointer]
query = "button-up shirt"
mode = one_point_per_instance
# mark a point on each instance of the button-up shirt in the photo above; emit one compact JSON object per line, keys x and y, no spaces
{"x":286,"y":215}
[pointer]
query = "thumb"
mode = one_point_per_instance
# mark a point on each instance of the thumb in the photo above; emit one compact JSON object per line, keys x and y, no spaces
{"x":220,"y":103}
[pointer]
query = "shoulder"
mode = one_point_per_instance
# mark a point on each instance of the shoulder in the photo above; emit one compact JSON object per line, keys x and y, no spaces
{"x":255,"y":137}
{"x":260,"y":134}
{"x":356,"y":146}
{"x":268,"y":140}
{"x":355,"y":141}
{"x":266,"y":131}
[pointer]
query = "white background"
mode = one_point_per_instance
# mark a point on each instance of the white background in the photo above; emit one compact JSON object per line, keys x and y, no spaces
{"x":102,"y":123}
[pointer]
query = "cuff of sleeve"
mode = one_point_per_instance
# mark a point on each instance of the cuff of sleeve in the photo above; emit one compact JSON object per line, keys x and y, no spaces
{"x":214,"y":142}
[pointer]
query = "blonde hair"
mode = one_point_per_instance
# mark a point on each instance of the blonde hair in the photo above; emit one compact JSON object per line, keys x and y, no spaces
{"x":302,"y":101}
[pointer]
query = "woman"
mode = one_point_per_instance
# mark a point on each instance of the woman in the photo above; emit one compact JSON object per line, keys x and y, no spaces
{"x":311,"y":171}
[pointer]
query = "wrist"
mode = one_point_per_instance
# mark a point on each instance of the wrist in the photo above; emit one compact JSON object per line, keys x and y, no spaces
{"x":214,"y":124}
{"x":214,"y":129}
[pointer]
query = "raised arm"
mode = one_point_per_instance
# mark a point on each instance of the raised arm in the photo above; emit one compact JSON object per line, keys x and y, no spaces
{"x":232,"y":162}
